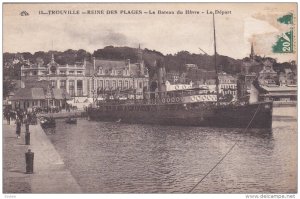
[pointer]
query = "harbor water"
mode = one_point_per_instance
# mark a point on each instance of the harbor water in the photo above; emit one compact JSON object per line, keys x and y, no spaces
{"x":112,"y":157}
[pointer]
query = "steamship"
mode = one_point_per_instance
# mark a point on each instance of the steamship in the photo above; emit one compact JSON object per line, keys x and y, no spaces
{"x":186,"y":107}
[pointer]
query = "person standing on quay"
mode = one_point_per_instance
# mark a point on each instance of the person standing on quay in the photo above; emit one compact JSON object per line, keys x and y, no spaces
{"x":18,"y":127}
{"x":8,"y":117}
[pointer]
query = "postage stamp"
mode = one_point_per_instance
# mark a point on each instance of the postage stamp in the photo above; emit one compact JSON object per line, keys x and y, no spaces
{"x":284,"y":43}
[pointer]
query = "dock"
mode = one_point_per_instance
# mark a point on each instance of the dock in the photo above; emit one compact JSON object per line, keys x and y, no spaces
{"x":50,"y":172}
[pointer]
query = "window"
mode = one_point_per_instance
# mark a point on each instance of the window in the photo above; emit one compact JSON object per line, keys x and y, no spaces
{"x":63,"y":84}
{"x":79,"y":72}
{"x":53,"y":83}
{"x":126,"y":84}
{"x":140,"y":84}
{"x":34,"y":72}
{"x":100,"y":71}
{"x":72,"y":87}
{"x":79,"y":88}
{"x":120,"y":84}
{"x":71,"y":72}
{"x":107,"y":84}
{"x":100,"y":84}
{"x":114,"y":84}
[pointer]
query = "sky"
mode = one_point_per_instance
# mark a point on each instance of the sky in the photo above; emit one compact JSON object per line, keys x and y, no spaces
{"x":167,"y":33}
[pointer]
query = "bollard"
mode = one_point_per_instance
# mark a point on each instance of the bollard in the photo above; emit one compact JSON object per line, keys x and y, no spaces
{"x":27,"y":138}
{"x":29,"y":161}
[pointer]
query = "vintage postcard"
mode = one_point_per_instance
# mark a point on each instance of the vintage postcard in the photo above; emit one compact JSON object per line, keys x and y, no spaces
{"x":150,"y":98}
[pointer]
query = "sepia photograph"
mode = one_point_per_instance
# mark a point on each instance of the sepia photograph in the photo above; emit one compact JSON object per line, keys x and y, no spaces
{"x":150,"y":98}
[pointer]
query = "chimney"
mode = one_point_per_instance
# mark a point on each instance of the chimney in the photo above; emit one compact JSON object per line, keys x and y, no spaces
{"x":84,"y":62}
{"x":94,"y":60}
{"x":160,"y":78}
{"x":127,"y":63}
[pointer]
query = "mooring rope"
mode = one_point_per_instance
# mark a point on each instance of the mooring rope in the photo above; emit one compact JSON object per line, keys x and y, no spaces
{"x":225,"y":153}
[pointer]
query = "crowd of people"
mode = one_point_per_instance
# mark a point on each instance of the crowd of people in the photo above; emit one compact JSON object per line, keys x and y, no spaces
{"x":20,"y":117}
{"x":53,"y":109}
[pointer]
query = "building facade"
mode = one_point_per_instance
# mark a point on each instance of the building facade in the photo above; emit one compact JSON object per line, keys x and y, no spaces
{"x":267,"y":76}
{"x":88,"y":80}
{"x":287,"y":78}
{"x":227,"y":84}
{"x":71,"y":78}
{"x":128,"y":80}
{"x":39,"y":96}
{"x":244,"y":82}
{"x":279,"y":93}
{"x":196,"y":75}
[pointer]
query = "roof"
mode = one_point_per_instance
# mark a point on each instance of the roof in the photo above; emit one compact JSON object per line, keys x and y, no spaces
{"x":39,"y":94}
{"x":28,"y":94}
{"x":106,"y":64}
{"x":226,"y":77}
{"x":210,"y":81}
{"x":111,"y":64}
{"x":134,"y":69}
{"x":22,"y":93}
{"x":36,"y":84}
{"x":280,"y":88}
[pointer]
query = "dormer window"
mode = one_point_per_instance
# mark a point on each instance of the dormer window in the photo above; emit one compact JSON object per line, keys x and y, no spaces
{"x":101,"y":71}
{"x":53,"y":69}
{"x":126,"y":72}
{"x":113,"y":72}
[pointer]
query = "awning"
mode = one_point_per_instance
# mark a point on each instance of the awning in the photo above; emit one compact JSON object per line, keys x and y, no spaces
{"x":60,"y":94}
{"x":28,"y":94}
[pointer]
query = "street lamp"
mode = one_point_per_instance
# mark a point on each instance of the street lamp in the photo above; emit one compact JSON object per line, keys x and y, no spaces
{"x":93,"y":92}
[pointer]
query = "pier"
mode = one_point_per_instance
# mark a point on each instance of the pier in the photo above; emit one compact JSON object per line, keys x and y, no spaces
{"x":50,"y":173}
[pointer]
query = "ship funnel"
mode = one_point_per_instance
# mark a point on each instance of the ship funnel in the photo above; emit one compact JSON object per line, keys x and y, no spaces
{"x":253,"y":94}
{"x":160,"y":77}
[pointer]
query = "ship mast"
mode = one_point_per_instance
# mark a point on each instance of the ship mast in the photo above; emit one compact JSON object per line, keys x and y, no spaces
{"x":215,"y":59}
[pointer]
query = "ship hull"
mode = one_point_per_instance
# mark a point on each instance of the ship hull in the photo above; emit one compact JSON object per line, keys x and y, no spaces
{"x":230,"y":116}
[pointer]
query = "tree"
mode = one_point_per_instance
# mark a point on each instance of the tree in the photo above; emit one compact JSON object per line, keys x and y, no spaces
{"x":8,"y":86}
